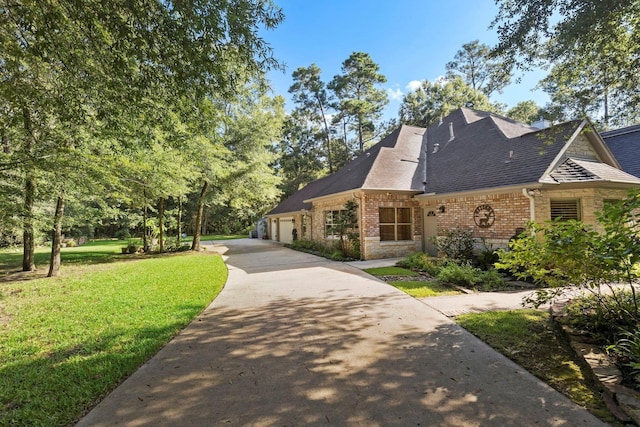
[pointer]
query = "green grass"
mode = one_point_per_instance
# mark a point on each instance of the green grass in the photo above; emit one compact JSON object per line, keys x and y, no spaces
{"x":96,"y":251}
{"x":421,"y":289}
{"x":391,"y":271}
{"x":545,"y":352}
{"x":65,"y":342}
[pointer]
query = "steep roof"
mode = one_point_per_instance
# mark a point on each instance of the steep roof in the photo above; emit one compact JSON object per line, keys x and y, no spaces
{"x":489,"y":151}
{"x":391,"y":164}
{"x":624,"y":143}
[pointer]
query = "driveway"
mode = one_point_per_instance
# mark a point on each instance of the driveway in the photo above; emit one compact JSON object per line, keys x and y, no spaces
{"x":297,"y":340}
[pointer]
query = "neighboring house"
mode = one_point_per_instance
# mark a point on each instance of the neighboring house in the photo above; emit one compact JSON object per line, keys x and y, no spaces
{"x":472,"y":171}
{"x":624,"y":143}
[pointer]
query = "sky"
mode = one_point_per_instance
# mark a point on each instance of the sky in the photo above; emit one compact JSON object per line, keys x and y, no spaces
{"x":411,"y":40}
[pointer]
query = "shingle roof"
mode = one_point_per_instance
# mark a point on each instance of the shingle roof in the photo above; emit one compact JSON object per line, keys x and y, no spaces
{"x":391,"y":164}
{"x":580,"y":170}
{"x":624,"y":143}
{"x":489,"y":151}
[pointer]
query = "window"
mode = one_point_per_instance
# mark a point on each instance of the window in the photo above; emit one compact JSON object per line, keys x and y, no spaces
{"x":565,"y":210}
{"x":395,"y":224}
{"x":331,"y":219}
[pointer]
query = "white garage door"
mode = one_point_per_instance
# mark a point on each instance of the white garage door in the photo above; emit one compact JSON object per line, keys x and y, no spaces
{"x":286,"y":227}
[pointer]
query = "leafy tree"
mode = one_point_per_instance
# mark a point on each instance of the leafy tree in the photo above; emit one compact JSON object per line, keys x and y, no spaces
{"x":313,"y":101}
{"x":593,"y":46}
{"x":527,"y":112}
{"x":68,"y":64}
{"x":479,"y":69}
{"x":432,"y":101}
{"x":299,"y":158}
{"x":360,"y":102}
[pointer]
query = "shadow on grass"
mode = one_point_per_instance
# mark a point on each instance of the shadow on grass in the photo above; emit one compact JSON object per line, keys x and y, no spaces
{"x":56,"y":388}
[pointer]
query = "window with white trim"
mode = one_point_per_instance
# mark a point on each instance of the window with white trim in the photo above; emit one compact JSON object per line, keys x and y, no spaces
{"x":395,"y":224}
{"x":565,"y":210}
{"x":331,"y":219}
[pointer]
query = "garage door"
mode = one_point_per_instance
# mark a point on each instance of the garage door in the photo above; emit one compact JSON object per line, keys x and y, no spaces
{"x":286,"y":227}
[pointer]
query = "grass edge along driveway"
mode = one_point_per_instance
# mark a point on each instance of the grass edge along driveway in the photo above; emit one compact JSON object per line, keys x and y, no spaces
{"x":66,"y":342}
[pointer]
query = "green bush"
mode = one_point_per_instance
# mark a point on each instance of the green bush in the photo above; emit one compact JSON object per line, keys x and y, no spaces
{"x":602,"y":316}
{"x":421,"y":262}
{"x":627,"y":351}
{"x":464,"y":275}
{"x":471,"y":277}
{"x":456,"y":244}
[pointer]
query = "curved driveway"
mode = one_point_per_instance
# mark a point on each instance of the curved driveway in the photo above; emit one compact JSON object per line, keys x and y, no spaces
{"x":297,"y":340}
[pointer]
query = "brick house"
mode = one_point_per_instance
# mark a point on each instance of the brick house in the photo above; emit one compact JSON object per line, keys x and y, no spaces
{"x":473,"y":171}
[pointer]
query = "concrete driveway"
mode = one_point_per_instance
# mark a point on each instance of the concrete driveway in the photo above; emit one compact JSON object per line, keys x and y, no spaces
{"x":297,"y":340}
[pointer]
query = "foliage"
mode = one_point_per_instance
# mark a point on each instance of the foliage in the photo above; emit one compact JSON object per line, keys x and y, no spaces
{"x":545,"y":352}
{"x":344,"y":227}
{"x":456,"y":244}
{"x":468,"y":276}
{"x":360,"y":102}
{"x":562,"y":253}
{"x":421,"y":262}
{"x":627,"y":350}
{"x":601,"y":317}
{"x":71,"y":340}
{"x":527,"y":112}
{"x":479,"y":69}
{"x":592,"y":46}
{"x":433,"y":100}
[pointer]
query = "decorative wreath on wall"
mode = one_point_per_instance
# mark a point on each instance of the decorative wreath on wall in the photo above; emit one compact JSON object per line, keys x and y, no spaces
{"x":484,"y":216}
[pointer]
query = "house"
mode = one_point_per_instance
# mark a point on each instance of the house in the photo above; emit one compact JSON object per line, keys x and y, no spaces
{"x":473,"y":171}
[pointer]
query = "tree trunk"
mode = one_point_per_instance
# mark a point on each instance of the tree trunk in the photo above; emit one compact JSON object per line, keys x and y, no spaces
{"x":160,"y":222}
{"x":195,"y":245}
{"x":327,"y":133}
{"x":28,"y":239}
{"x":56,"y":239}
{"x":144,"y":222}
{"x":179,"y":221}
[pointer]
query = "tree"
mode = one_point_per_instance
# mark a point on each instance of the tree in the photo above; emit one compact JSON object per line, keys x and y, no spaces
{"x":593,"y":46}
{"x":479,"y":69}
{"x":299,"y":157}
{"x":65,"y":62}
{"x":431,"y":101}
{"x":527,"y":112}
{"x":358,"y":97}
{"x":312,"y":100}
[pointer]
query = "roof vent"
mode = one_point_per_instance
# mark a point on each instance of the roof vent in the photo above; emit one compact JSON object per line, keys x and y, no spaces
{"x":451,"y":135}
{"x":436,"y":147}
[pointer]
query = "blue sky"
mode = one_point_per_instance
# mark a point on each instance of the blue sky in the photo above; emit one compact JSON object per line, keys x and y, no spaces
{"x":410,"y":40}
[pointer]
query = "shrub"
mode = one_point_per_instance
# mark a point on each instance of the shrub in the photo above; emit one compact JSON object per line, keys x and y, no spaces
{"x":464,"y":275}
{"x":627,"y":351}
{"x":456,"y":244}
{"x":421,"y":262}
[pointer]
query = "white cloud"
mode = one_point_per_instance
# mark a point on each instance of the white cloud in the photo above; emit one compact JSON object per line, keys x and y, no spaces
{"x":414,"y":85}
{"x":395,"y":94}
{"x":441,"y":80}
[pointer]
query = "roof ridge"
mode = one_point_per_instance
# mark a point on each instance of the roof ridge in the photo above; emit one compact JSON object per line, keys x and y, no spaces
{"x":620,"y":131}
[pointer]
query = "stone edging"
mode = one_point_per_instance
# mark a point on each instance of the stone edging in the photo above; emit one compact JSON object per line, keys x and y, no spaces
{"x":623,"y":402}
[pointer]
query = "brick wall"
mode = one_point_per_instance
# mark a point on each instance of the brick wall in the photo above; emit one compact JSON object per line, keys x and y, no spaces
{"x":511,"y":212}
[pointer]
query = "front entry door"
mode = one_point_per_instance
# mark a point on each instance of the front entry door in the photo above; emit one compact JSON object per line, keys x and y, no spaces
{"x":430,"y":232}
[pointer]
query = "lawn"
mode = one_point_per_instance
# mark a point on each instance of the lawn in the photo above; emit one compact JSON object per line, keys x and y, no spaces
{"x":415,"y":288}
{"x":529,"y":338}
{"x":421,"y":289}
{"x":66,"y":342}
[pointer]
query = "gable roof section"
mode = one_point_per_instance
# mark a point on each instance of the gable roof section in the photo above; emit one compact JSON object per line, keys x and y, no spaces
{"x":391,"y":164}
{"x":624,"y":143}
{"x":489,"y":151}
{"x":579,"y":170}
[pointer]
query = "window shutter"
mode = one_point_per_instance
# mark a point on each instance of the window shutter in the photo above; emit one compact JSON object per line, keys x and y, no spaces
{"x":565,"y":209}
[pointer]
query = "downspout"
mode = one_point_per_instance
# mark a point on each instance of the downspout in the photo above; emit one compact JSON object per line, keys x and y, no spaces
{"x":532,"y":204}
{"x":361,"y":221}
